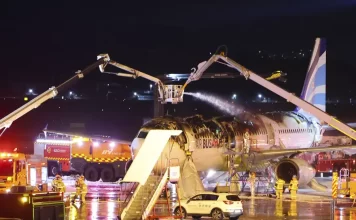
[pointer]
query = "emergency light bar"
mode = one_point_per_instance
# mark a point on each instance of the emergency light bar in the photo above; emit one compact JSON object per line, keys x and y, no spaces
{"x":52,"y":141}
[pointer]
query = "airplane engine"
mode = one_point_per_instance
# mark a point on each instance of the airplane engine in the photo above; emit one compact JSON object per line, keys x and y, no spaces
{"x":286,"y":168}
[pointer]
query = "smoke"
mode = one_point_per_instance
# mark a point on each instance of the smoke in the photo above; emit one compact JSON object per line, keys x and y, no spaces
{"x":220,"y":103}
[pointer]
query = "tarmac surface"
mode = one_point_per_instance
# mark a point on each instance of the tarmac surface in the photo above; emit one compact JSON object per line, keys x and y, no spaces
{"x":103,"y":201}
{"x":256,"y":208}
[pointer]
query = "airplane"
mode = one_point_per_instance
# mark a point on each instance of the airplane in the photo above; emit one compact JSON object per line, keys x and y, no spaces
{"x":277,"y":138}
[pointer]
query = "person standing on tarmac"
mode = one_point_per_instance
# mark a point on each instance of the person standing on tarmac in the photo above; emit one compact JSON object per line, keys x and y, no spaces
{"x":77,"y":189}
{"x":279,"y":187}
{"x":58,"y":185}
{"x":293,"y":187}
{"x":54,"y":182}
{"x":83,"y":188}
{"x":61,"y":187}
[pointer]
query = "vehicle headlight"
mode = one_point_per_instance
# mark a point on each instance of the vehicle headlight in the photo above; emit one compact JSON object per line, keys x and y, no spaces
{"x":24,"y":199}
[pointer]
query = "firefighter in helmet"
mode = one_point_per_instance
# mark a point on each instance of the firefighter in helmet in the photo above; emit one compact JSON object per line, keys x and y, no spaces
{"x":246,"y":139}
{"x":279,"y":187}
{"x":293,"y":187}
{"x":77,"y":188}
{"x":83,"y":188}
{"x":58,"y":185}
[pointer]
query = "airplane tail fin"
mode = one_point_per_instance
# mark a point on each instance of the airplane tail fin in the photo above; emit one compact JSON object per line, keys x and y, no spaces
{"x":314,"y":89}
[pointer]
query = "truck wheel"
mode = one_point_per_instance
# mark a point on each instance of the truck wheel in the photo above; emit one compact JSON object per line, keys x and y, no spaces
{"x":91,"y":174}
{"x":53,"y":170}
{"x":107,"y":174}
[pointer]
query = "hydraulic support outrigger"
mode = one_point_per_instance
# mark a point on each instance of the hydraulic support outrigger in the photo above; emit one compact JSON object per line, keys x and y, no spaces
{"x":290,"y":97}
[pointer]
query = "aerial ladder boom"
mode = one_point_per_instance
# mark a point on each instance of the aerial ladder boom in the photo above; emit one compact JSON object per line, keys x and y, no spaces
{"x":290,"y":97}
{"x":102,"y":61}
{"x":50,"y":93}
{"x":134,"y":74}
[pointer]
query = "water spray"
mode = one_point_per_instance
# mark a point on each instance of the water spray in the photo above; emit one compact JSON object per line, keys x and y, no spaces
{"x":222,"y":104}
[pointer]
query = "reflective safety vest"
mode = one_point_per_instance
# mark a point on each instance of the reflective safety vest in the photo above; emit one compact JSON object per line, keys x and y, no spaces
{"x":54,"y":184}
{"x":293,"y":184}
{"x":61,"y":187}
{"x":279,"y":184}
{"x":83,"y":186}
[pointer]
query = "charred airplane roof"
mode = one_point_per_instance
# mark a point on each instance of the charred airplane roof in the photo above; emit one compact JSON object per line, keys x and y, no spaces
{"x":199,"y":125}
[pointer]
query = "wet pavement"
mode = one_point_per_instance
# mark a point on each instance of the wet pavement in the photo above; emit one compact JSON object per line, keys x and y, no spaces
{"x":103,"y":203}
{"x":257,"y":208}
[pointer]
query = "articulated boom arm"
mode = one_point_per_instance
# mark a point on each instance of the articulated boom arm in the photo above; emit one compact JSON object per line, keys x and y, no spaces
{"x":166,"y":92}
{"x":50,"y":93}
{"x":290,"y":97}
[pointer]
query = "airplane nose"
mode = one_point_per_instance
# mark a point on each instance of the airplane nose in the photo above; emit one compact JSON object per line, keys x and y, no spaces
{"x":136,"y":145}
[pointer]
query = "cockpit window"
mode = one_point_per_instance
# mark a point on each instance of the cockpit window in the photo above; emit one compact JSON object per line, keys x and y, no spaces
{"x":142,"y":134}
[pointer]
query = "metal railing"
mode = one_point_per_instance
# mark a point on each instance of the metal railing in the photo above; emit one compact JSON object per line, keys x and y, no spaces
{"x":128,"y":197}
{"x":161,"y":172}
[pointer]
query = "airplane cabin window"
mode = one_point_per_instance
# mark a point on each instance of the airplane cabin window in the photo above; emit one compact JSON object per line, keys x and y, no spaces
{"x":142,"y":134}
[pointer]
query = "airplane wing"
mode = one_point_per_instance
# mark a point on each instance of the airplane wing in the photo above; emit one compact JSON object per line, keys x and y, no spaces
{"x":329,"y":128}
{"x":273,"y":154}
{"x":99,"y":138}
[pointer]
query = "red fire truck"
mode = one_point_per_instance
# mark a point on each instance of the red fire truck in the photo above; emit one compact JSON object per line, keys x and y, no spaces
{"x":58,"y":158}
{"x":326,"y":163}
{"x":66,"y":153}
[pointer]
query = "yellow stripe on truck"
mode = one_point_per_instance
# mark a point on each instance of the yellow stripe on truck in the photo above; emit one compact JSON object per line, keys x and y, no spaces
{"x":106,"y":160}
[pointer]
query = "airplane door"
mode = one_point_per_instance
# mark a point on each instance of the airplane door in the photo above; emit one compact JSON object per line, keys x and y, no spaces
{"x":33,"y":176}
{"x":274,"y":138}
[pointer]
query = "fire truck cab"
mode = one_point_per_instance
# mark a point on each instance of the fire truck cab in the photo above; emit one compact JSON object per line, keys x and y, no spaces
{"x":17,"y":169}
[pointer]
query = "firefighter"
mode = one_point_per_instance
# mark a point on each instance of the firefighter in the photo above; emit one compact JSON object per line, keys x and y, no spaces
{"x":246,"y":138}
{"x":279,"y":187}
{"x":77,"y":189}
{"x":293,"y":188}
{"x":55,"y":182}
{"x":252,"y":180}
{"x":60,"y":187}
{"x":83,"y":188}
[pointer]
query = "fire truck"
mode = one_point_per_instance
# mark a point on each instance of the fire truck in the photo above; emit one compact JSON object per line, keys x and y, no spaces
{"x":94,"y":157}
{"x":106,"y":159}
{"x":17,"y":169}
{"x":326,"y":163}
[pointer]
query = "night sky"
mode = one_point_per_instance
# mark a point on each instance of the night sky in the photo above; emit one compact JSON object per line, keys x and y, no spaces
{"x":43,"y":44}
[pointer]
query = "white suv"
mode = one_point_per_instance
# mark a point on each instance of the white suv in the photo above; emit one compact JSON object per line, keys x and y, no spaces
{"x":215,"y":205}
